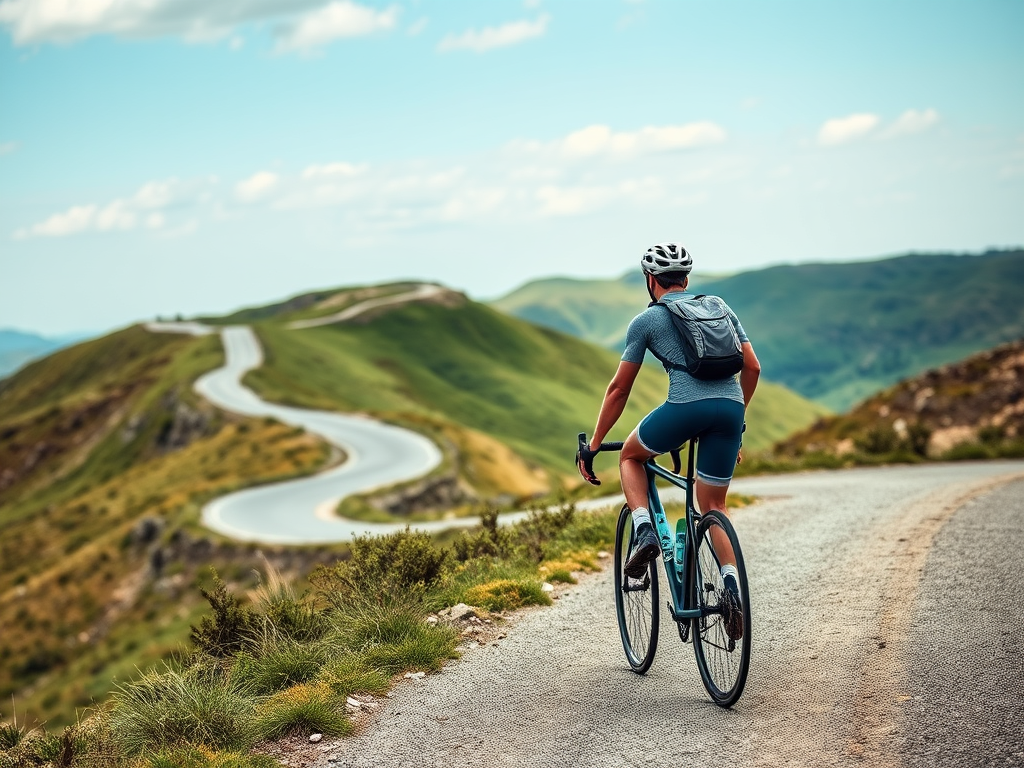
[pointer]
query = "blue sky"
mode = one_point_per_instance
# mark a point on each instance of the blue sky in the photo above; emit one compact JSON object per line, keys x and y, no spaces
{"x":164,"y":156}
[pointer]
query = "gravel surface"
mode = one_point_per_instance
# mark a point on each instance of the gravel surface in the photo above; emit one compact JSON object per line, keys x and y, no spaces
{"x":965,"y":651}
{"x":835,"y":562}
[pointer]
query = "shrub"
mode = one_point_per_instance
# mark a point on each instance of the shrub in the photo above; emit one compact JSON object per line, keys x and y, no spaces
{"x":490,"y":540}
{"x":507,"y":594}
{"x":305,"y":708}
{"x":881,"y":438}
{"x":231,"y":626}
{"x":918,"y":436}
{"x":292,"y":617}
{"x":404,"y":562}
{"x":199,"y":705}
{"x":540,"y":528}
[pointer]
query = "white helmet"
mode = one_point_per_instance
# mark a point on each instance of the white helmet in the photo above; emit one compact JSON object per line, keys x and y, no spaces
{"x":666,"y":257}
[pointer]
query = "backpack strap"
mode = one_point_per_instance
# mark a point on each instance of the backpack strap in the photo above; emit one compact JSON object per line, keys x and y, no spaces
{"x":664,"y":361}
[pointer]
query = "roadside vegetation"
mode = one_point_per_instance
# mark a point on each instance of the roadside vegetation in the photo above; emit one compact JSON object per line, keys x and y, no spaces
{"x":106,"y":456}
{"x":272,"y":663}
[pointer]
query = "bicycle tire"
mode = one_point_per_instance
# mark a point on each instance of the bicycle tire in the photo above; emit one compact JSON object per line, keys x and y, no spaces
{"x":636,"y":601}
{"x":722,"y":659}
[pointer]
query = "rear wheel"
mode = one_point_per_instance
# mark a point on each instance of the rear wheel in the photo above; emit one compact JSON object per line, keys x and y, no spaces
{"x":721,"y":635}
{"x":636,"y":601}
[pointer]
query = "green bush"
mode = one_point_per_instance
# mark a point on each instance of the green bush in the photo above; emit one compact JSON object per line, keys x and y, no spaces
{"x":232,"y":625}
{"x":404,"y":562}
{"x":286,"y":614}
{"x":199,"y":705}
{"x":881,"y":438}
{"x":490,"y":540}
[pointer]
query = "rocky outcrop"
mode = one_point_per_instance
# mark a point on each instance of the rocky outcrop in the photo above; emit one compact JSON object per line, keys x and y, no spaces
{"x":979,"y":400}
{"x":431,"y":493}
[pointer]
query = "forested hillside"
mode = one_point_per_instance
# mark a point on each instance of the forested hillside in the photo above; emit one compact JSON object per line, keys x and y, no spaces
{"x":834,"y":333}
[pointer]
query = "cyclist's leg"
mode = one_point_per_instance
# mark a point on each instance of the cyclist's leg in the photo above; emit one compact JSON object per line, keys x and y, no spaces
{"x":631,"y":470}
{"x":716,"y":460}
{"x":713,"y":497}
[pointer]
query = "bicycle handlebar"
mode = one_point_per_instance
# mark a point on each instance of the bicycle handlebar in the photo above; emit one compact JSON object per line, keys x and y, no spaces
{"x":677,"y":463}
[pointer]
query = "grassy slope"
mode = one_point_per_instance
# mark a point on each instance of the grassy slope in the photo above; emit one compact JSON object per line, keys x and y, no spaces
{"x":832,"y":332}
{"x":76,"y":605}
{"x":528,"y":387}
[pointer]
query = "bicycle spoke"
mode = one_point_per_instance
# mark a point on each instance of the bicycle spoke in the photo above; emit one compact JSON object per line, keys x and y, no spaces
{"x":722,"y":633}
{"x":636,"y":602}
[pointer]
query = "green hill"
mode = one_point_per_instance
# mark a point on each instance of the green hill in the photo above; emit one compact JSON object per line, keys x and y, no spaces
{"x":463,"y":364}
{"x":834,"y":333}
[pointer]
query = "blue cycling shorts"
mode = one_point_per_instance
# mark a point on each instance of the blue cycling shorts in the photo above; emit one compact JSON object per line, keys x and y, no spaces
{"x":718,"y":422}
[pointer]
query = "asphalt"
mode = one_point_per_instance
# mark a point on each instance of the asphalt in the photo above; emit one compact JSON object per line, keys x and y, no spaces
{"x":301,"y":511}
{"x":835,"y":562}
{"x":965,"y":661}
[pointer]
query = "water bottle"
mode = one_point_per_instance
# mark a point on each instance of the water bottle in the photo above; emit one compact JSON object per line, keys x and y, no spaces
{"x":680,"y":543}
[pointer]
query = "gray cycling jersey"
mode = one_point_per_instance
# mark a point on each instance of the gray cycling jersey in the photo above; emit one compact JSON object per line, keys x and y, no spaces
{"x":653,"y":329}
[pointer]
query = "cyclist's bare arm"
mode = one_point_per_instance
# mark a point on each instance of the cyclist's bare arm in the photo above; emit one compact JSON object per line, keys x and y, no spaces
{"x":750,"y":373}
{"x":615,"y":398}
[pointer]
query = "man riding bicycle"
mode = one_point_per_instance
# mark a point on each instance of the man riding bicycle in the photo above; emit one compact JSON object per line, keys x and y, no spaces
{"x":712,"y":410}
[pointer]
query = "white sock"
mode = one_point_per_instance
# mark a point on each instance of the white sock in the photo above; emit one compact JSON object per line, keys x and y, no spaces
{"x":729,"y":570}
{"x":641,"y":515}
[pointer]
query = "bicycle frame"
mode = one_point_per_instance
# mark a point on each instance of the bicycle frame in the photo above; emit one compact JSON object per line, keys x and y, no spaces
{"x":680,"y":575}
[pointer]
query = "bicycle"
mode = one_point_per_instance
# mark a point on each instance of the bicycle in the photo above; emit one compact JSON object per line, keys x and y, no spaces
{"x":700,"y":603}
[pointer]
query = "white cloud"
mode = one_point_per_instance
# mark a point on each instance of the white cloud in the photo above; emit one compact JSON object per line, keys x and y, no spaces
{"x":911,"y":122}
{"x":256,"y":186}
{"x":146,"y":207}
{"x":38,"y":21}
{"x":78,"y":218}
{"x":488,"y":38}
{"x":840,"y":130}
{"x":339,"y":19}
{"x":600,"y":140}
{"x":8,"y":147}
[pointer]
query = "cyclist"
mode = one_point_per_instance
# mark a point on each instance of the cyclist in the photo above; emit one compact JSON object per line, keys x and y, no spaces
{"x":711,"y":410}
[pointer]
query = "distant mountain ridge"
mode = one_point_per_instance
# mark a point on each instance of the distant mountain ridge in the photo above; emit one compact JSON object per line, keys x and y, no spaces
{"x":20,"y":347}
{"x":834,"y":333}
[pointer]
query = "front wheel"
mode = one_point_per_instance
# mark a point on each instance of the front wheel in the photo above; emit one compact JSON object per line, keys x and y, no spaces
{"x":636,"y":601}
{"x":721,"y":635}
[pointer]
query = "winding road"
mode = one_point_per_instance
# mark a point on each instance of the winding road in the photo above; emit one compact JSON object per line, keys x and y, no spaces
{"x":887,"y":610}
{"x":301,"y":511}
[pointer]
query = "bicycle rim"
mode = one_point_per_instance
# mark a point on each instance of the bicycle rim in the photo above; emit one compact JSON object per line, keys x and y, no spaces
{"x":722,"y":659}
{"x":636,"y":601}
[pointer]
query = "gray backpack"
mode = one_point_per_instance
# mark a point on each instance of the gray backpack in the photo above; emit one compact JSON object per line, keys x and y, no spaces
{"x":709,"y":339}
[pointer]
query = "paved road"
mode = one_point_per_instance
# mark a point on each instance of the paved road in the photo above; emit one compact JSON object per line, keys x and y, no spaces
{"x":301,"y":511}
{"x":841,"y":673}
{"x":965,"y":675}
